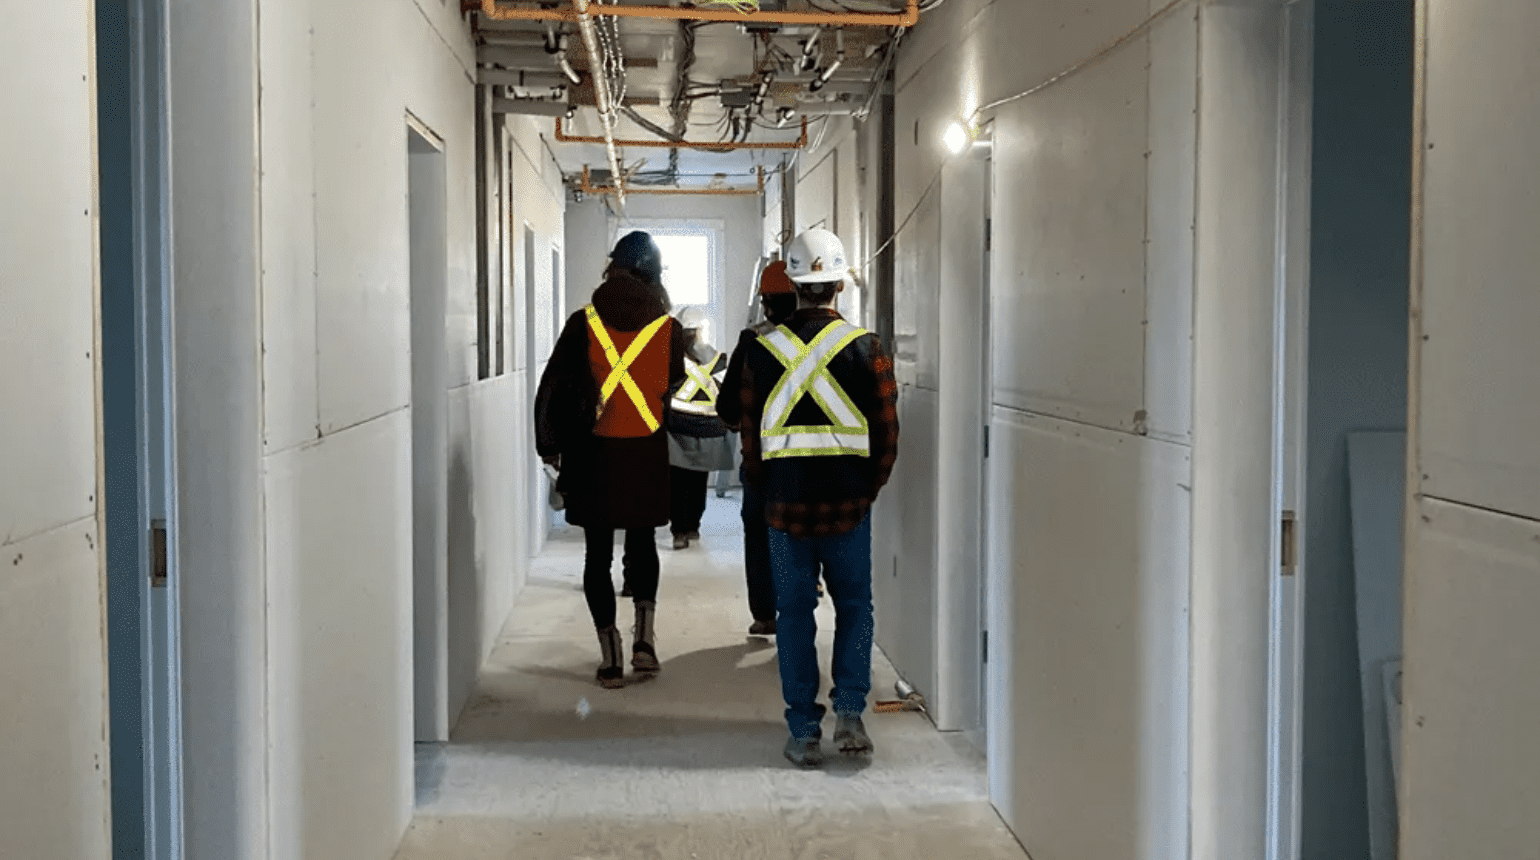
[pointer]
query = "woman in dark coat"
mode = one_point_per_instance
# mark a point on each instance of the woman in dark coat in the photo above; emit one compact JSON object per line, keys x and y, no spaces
{"x":612,"y":452}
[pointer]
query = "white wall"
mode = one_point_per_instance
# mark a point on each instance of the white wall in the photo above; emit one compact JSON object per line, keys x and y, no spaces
{"x":1471,"y":766}
{"x":295,"y":288}
{"x":1116,"y":292}
{"x":53,"y":750}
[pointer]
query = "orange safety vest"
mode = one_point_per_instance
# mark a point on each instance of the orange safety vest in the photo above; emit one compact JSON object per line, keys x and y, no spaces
{"x":631,"y":369}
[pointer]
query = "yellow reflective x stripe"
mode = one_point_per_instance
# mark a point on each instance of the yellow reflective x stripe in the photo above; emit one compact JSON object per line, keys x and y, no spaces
{"x":807,"y":374}
{"x":620,"y":365}
{"x":699,"y":380}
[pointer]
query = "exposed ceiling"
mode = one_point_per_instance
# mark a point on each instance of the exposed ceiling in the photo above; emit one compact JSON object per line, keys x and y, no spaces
{"x":719,"y":83}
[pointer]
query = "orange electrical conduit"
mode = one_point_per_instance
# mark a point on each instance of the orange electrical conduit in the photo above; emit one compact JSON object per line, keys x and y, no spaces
{"x":907,"y":18}
{"x":588,"y":188}
{"x":800,"y":143}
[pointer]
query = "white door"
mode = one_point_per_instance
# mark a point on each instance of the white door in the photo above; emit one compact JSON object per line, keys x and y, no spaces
{"x":958,"y":700}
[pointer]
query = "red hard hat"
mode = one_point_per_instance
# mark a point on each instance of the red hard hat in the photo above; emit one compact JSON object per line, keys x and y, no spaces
{"x":773,"y":281}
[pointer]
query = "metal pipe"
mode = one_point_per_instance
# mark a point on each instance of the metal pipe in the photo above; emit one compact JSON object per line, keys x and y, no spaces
{"x":907,"y":18}
{"x":520,"y":78}
{"x":601,"y":88}
{"x":800,"y":143}
{"x":588,"y":188}
{"x":529,"y":107}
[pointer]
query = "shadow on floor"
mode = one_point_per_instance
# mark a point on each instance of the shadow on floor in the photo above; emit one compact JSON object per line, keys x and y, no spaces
{"x":712,"y":708}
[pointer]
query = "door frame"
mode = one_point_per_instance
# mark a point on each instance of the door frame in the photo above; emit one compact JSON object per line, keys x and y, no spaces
{"x":427,"y":295}
{"x":1291,"y":351}
{"x":160,"y":591}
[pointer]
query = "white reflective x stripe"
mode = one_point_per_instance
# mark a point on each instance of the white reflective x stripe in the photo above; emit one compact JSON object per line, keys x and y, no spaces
{"x":620,"y":365}
{"x":807,"y":374}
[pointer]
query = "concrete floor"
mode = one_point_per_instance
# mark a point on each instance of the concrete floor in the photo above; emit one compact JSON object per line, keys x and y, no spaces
{"x":686,"y":766}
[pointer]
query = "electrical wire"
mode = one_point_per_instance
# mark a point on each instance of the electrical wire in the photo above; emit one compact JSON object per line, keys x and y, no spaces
{"x":1112,"y":46}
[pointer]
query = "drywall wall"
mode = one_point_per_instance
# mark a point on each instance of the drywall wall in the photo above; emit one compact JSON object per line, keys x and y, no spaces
{"x":1360,"y":205}
{"x":53,"y":753}
{"x":1470,"y":694}
{"x":1091,"y":236}
{"x":295,"y":431}
{"x":1098,"y":290}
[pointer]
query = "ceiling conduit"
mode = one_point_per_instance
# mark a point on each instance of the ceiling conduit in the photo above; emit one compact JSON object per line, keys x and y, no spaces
{"x":907,"y":18}
{"x":601,"y":86}
{"x":720,"y":146}
{"x":588,"y":188}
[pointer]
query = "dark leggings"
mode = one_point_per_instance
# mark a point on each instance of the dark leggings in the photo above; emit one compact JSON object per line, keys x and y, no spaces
{"x":639,"y":561}
{"x":688,"y":491}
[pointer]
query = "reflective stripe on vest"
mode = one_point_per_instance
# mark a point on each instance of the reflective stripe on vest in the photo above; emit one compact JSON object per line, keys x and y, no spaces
{"x":698,"y":381}
{"x":620,"y":365}
{"x":807,"y":374}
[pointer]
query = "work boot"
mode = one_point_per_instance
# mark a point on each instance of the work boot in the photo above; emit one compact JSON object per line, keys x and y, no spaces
{"x":804,"y":752}
{"x":612,"y":673}
{"x":681,"y":541}
{"x":694,"y":534}
{"x":644,"y":653}
{"x":762,"y":628}
{"x":850,"y":735}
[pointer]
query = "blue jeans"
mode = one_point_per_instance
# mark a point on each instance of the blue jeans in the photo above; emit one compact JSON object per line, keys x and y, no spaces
{"x":847,"y":571}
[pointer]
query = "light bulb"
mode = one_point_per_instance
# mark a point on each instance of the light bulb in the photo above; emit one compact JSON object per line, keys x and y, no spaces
{"x":955,"y":138}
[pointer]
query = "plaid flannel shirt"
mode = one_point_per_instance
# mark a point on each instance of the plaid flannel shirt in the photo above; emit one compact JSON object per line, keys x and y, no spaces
{"x":818,"y":496}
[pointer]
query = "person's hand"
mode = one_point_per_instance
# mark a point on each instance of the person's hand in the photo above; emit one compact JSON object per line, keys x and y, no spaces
{"x":554,"y":461}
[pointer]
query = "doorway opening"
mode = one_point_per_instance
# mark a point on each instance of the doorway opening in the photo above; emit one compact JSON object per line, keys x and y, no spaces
{"x":427,"y":243}
{"x":1344,"y":386}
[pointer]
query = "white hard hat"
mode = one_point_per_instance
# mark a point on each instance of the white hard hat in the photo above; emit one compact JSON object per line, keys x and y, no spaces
{"x":816,"y":256}
{"x":692,"y":318}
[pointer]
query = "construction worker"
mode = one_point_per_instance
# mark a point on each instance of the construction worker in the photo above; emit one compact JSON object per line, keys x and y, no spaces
{"x":599,"y":420}
{"x":777,"y":301}
{"x":698,"y":441}
{"x":820,"y":436}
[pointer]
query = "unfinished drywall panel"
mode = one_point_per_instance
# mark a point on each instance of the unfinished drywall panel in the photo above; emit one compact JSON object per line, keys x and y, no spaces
{"x":905,"y":592}
{"x":54,"y":758}
{"x":48,"y":229}
{"x":489,"y":444}
{"x":340,"y":653}
{"x":1090,"y":543}
{"x":1069,"y":302}
{"x":360,"y":210}
{"x":1169,"y":217}
{"x":361,"y":110}
{"x":53,"y":753}
{"x":339,"y":536}
{"x":1471,"y":766}
{"x":1480,"y":394}
{"x":290,"y":399}
{"x":1026,"y":44}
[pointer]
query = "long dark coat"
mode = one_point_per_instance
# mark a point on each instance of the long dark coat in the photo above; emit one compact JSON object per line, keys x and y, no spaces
{"x":607,"y":482}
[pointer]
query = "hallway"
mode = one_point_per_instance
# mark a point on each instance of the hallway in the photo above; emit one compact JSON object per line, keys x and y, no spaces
{"x":688,"y":765}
